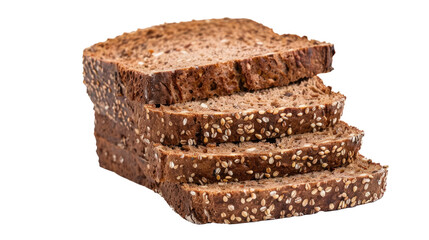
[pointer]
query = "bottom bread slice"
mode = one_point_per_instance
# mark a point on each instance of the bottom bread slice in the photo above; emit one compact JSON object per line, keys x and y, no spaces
{"x":254,"y":200}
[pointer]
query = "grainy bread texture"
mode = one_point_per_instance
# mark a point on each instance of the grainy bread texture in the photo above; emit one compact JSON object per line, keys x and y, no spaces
{"x":227,"y":121}
{"x":358,"y":183}
{"x":307,"y":106}
{"x":228,"y":162}
{"x":179,"y":62}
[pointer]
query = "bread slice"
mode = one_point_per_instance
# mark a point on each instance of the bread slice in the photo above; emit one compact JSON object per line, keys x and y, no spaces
{"x":180,"y":62}
{"x":232,"y":162}
{"x":307,"y":106}
{"x":254,"y":200}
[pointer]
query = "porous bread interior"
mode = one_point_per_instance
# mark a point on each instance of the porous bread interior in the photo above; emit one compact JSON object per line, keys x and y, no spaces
{"x":353,"y":170}
{"x":197,"y":43}
{"x":308,"y":92}
{"x":340,"y":131}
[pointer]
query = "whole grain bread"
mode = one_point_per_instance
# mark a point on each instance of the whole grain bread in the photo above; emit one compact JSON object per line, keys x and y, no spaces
{"x":358,"y":183}
{"x":179,"y":62}
{"x":306,"y":106}
{"x":233,"y":162}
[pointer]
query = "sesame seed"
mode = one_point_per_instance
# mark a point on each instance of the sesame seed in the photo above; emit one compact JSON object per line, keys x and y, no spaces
{"x":289,"y":131}
{"x":244,"y":214}
{"x":185,"y":120}
{"x":195,"y":165}
{"x":293,"y":194}
{"x":171,"y":164}
{"x":271,"y":161}
{"x":258,"y":136}
{"x":289,"y":115}
{"x":298,"y":152}
{"x":192,"y":193}
{"x":231,"y":207}
{"x":355,"y":188}
{"x":322,"y":193}
{"x":225,"y":198}
{"x":331,"y":206}
{"x":265,"y":119}
{"x":249,"y":172}
{"x":261,"y":112}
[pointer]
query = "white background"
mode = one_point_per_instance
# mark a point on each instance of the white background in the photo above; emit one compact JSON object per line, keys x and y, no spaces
{"x":52,"y":188}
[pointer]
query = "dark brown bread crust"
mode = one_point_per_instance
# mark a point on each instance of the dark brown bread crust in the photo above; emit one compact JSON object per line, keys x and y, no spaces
{"x":202,"y":168}
{"x":173,"y":128}
{"x":181,"y":85}
{"x":259,"y":200}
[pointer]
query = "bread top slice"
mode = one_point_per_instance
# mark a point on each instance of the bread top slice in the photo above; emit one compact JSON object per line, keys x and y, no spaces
{"x":188,"y":44}
{"x":179,"y":62}
{"x":306,"y":106}
{"x":358,"y":183}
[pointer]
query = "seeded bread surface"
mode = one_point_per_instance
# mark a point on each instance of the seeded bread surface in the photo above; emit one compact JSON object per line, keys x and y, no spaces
{"x":228,"y":162}
{"x":247,"y":201}
{"x":180,"y":62}
{"x":307,"y":106}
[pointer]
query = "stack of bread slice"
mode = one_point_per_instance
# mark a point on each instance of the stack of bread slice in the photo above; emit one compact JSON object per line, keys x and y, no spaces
{"x":228,"y":121}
